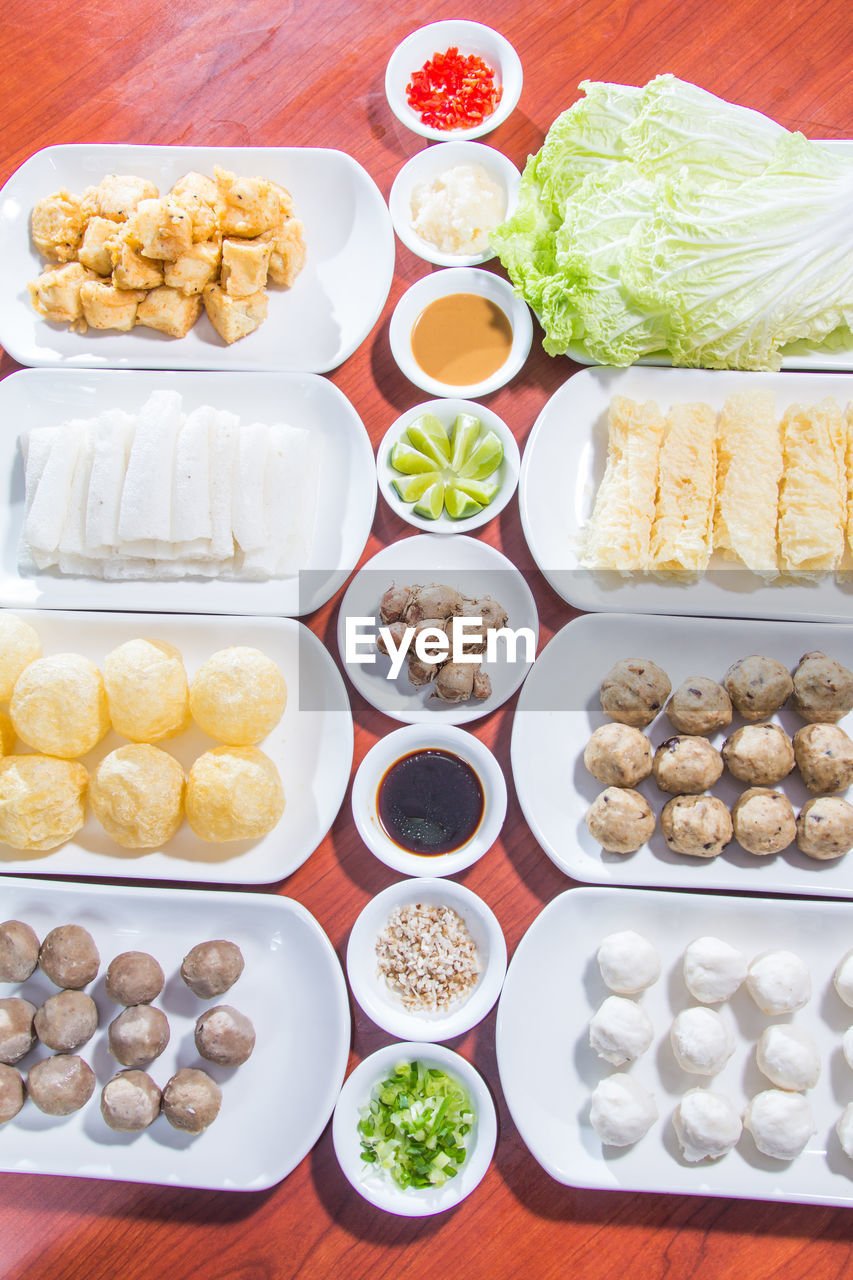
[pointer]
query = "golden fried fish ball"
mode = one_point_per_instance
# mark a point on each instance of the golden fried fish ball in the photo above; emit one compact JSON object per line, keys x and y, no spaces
{"x":233,"y":793}
{"x":238,"y":696}
{"x":59,"y":705}
{"x":19,"y":646}
{"x":137,"y":795}
{"x":7,"y":735}
{"x":147,"y":692}
{"x":42,"y":801}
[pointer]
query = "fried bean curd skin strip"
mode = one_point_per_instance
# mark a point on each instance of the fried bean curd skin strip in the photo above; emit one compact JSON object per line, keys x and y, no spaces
{"x":749,"y":468}
{"x":682,"y":534}
{"x":813,"y":492}
{"x":618,"y":535}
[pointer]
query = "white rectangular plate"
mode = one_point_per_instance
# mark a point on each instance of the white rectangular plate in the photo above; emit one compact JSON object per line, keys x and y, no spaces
{"x":313,"y":326}
{"x":311,"y":748}
{"x":347,"y":500}
{"x":274,"y":1106}
{"x":558,"y":953}
{"x":559,"y":708}
{"x":563,"y":465}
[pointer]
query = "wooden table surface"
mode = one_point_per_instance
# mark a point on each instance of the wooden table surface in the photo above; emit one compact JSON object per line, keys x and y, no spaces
{"x":288,"y":73}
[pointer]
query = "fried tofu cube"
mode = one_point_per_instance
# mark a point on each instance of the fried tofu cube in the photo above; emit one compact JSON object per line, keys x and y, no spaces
{"x":288,"y":251}
{"x":132,"y":271}
{"x":56,"y":293}
{"x":160,"y":229}
{"x":244,"y":266}
{"x":195,"y":268}
{"x":196,"y":193}
{"x":246,"y":206}
{"x":106,"y":307}
{"x":117,"y":196}
{"x":57,"y":226}
{"x":95,"y":251}
{"x":169,"y":311}
{"x":233,"y":318}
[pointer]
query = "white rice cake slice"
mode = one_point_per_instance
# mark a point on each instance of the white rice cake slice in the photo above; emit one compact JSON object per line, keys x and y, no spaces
{"x":248,"y":509}
{"x":618,"y":535}
{"x":749,"y":469}
{"x":111,"y":447}
{"x":682,"y":534}
{"x":813,"y":492}
{"x":192,"y":524}
{"x":48,"y":510}
{"x":223,"y":455}
{"x":146,"y":502}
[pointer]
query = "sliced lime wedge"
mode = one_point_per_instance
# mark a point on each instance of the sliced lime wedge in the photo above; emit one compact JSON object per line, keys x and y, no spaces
{"x":463,"y":438}
{"x":431,"y":502}
{"x":410,"y":488}
{"x":430,"y":436}
{"x":481,"y":491}
{"x":410,"y":461}
{"x":459,"y":505}
{"x":486,"y":458}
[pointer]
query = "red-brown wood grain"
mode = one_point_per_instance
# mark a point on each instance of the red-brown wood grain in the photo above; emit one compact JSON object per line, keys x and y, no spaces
{"x":265,"y":73}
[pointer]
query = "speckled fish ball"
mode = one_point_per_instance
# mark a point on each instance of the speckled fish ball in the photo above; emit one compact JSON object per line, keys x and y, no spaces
{"x":758,"y":686}
{"x":19,"y":951}
{"x":634,"y":691}
{"x":696,"y":826}
{"x":238,"y":696}
{"x":788,"y":1056}
{"x":191,"y":1100}
{"x":137,"y":795}
{"x":19,"y":646}
{"x":17,"y":1034}
{"x":233,"y":793}
{"x":210,"y":968}
{"x":622,"y":1110}
{"x":69,"y":957}
{"x":59,"y":705}
{"x":618,"y":755}
{"x":706,"y":1124}
{"x":779,"y":982}
{"x":628,"y":962}
{"x":699,"y":705}
{"x":66,"y":1021}
{"x":824,"y":755}
{"x":61,"y":1084}
{"x":130,"y":1101}
{"x":843,"y":978}
{"x":825,"y":827}
{"x":147,"y":690}
{"x":713,"y":969}
{"x":138,"y":1035}
{"x":11,"y":1092}
{"x":134,"y":977}
{"x":823,"y":689}
{"x":702,"y":1041}
{"x":42,"y":801}
{"x":686,"y":765}
{"x":620,"y":1030}
{"x":224,"y":1035}
{"x":620,"y":819}
{"x":780,"y":1122}
{"x":759,"y":754}
{"x":763,"y":821}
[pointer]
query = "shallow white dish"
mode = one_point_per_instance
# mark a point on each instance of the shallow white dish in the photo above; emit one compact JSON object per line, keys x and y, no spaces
{"x":311,"y":747}
{"x":439,"y":285}
{"x":470,"y":37}
{"x":382,"y":1004}
{"x":378,"y":1188}
{"x":554,"y":1123}
{"x":429,"y":164}
{"x":44,"y":397}
{"x":569,"y":440}
{"x":475,"y":569}
{"x":420,"y":737}
{"x":274,"y":1106}
{"x":313,"y":326}
{"x":559,"y":708}
{"x":446,"y":411}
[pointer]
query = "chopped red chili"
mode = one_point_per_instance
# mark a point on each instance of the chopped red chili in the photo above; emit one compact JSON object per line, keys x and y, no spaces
{"x":453,"y":92}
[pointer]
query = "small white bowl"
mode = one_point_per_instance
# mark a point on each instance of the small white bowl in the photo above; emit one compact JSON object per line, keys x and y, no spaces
{"x":374,"y":1184}
{"x":430,"y":164}
{"x":446,"y":411}
{"x":419,"y":737}
{"x":469,"y":37}
{"x":383,"y":1005}
{"x":439,"y":285}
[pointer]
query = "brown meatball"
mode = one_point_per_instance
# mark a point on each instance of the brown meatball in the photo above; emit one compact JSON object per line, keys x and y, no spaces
{"x":823,"y":689}
{"x":224,"y":1035}
{"x":191,"y":1100}
{"x":699,"y":705}
{"x":759,"y":754}
{"x":620,"y":819}
{"x":134,"y":977}
{"x":19,"y":951}
{"x":11,"y":1092}
{"x":758,"y":686}
{"x":210,"y":968}
{"x":763,"y":821}
{"x":824,"y":757}
{"x":138,"y":1035}
{"x":61,"y":1084}
{"x":66,"y":1021}
{"x":69,"y":956}
{"x":699,"y":826}
{"x":130,"y":1101}
{"x":825,"y":827}
{"x":618,"y":755}
{"x":17,"y":1035}
{"x":686,"y":765}
{"x":633,"y":691}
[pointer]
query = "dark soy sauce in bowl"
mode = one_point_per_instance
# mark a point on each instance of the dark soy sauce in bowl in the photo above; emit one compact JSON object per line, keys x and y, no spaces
{"x":430,"y":801}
